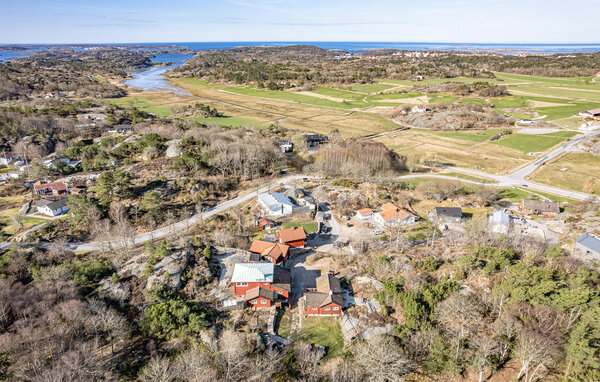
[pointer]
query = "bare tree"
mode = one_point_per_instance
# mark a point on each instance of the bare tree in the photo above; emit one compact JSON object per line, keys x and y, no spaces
{"x":157,"y":370}
{"x":382,"y":359}
{"x":194,"y":365}
{"x":505,"y":329}
{"x":536,"y":353}
{"x":459,"y":316}
{"x":232,"y":357}
{"x":486,"y":346}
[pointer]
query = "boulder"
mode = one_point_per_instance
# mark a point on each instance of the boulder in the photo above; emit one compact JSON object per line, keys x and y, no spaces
{"x":173,"y":148}
{"x":169,"y":270}
{"x":117,"y":291}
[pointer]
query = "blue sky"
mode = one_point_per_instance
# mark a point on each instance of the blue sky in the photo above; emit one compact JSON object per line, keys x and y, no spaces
{"x":114,"y":21}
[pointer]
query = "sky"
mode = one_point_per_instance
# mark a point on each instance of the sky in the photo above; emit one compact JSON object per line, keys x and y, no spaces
{"x":130,"y":21}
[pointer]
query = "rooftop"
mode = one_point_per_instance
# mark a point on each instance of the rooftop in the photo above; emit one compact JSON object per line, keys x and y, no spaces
{"x":540,"y":205}
{"x":292,"y":234}
{"x":253,"y":272}
{"x":590,"y":241}
{"x":274,"y":200}
{"x":455,"y":212}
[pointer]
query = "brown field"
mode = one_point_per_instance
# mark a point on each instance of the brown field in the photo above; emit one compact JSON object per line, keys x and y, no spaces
{"x":494,"y":159}
{"x":582,"y":173}
{"x":290,"y":115}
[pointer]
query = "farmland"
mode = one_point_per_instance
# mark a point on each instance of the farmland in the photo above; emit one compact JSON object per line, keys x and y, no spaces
{"x":574,"y":171}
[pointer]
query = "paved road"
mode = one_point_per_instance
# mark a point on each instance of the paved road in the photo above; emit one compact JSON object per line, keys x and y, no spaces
{"x":173,"y":228}
{"x":516,"y":178}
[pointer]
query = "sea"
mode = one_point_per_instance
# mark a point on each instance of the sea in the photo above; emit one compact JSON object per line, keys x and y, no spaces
{"x":346,"y":46}
{"x":152,"y":79}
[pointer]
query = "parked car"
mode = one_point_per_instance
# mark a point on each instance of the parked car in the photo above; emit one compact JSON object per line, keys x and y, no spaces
{"x":377,"y":231}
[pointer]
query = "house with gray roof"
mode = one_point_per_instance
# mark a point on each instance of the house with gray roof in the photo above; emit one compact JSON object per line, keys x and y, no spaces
{"x":52,"y":207}
{"x":588,"y":245}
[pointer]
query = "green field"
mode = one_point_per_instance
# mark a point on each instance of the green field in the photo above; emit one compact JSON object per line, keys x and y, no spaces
{"x":323,"y":331}
{"x":471,"y":135}
{"x":338,"y":93}
{"x":477,"y":101}
{"x":292,"y":97}
{"x":533,"y":142}
{"x":231,"y":121}
{"x":370,"y":88}
{"x":441,"y":98}
{"x":309,"y":226}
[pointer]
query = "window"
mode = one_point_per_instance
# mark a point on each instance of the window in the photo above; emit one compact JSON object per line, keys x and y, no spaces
{"x":253,"y":302}
{"x":327,"y":308}
{"x":265,"y":283}
{"x":263,"y":302}
{"x":336,"y":308}
{"x":242,"y":284}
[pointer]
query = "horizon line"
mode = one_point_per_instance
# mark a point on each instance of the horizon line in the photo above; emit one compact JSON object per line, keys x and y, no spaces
{"x":300,"y":41}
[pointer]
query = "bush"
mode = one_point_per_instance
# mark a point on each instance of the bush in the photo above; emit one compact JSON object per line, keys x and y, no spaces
{"x":174,"y":318}
{"x":90,"y":272}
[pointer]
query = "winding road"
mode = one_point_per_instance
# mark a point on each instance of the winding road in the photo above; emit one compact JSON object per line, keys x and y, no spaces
{"x":517,"y":178}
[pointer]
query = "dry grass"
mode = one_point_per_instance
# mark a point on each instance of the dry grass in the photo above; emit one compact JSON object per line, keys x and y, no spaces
{"x":290,"y":115}
{"x":494,"y":159}
{"x":582,"y":174}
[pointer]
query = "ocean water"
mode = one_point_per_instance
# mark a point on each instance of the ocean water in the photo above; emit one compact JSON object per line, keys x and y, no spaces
{"x":153,"y":78}
{"x":357,"y":47}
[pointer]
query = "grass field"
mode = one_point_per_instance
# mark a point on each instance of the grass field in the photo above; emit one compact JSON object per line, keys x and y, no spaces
{"x":337,"y":93}
{"x":323,"y":331}
{"x":462,"y":149}
{"x":468,"y":177}
{"x":533,"y":143}
{"x":581,"y":173}
{"x":370,"y":88}
{"x":292,"y":115}
{"x":309,"y":226}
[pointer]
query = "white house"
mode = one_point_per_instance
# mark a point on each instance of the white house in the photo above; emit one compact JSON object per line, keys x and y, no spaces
{"x":500,"y":221}
{"x":393,"y":215}
{"x":419,"y":109}
{"x":52,"y":207}
{"x":364,"y":213}
{"x":276,"y":204}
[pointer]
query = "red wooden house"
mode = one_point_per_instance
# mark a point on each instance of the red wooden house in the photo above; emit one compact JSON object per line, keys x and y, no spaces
{"x":261,"y":285}
{"x":326,"y":299}
{"x":266,"y":224}
{"x":42,"y":187}
{"x":273,"y":252}
{"x":294,"y":237}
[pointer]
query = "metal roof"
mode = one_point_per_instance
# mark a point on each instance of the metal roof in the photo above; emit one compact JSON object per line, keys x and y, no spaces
{"x":274,"y":200}
{"x":589,"y":241}
{"x":455,"y":212}
{"x":253,"y":272}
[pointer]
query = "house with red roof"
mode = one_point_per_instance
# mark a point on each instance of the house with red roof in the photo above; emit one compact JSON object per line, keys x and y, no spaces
{"x":261,"y":285}
{"x":274,"y":252}
{"x":326,"y":299}
{"x":293,"y":237}
{"x":364,"y":213}
{"x":266,"y":224}
{"x":393,"y":215}
{"x":41,"y":187}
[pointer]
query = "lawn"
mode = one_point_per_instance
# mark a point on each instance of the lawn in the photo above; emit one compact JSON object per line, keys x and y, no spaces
{"x":231,"y":121}
{"x":292,"y":97}
{"x":309,"y":226}
{"x":475,"y":135}
{"x":531,"y":142}
{"x":514,"y":195}
{"x":477,"y":101}
{"x":509,"y":102}
{"x":338,"y":93}
{"x":468,"y":177}
{"x":441,"y":98}
{"x":284,"y":323}
{"x":323,"y":331}
{"x":370,"y":88}
{"x":384,"y":97}
{"x":581,"y":173}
